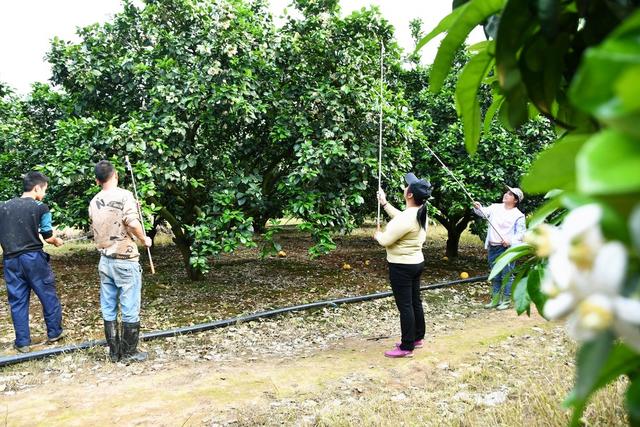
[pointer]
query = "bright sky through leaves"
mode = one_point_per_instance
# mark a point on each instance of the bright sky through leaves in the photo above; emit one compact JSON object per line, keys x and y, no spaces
{"x":27,"y":26}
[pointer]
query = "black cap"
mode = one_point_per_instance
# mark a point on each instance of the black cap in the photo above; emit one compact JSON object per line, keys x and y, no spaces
{"x":420,"y":188}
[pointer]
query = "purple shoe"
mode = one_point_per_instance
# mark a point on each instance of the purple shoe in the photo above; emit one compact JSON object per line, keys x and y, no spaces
{"x":398,"y":352}
{"x":416,"y":344}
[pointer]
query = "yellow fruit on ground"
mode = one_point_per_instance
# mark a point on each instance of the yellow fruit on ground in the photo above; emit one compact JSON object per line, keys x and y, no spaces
{"x":445,"y":258}
{"x":282,"y":254}
{"x":367,"y":262}
{"x":346,"y":266}
{"x":464,"y":275}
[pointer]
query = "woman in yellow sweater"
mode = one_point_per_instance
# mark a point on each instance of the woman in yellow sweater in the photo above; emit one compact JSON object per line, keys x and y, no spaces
{"x":403,"y":239}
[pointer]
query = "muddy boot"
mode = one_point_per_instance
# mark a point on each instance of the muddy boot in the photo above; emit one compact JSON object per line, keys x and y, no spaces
{"x":130,"y":336}
{"x":113,"y":339}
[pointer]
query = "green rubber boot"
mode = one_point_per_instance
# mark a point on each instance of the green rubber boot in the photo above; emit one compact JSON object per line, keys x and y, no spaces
{"x":495,"y":300}
{"x":505,"y":303}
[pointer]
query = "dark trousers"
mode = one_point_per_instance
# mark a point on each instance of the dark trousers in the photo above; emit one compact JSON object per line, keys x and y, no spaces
{"x":405,"y":283}
{"x":22,"y":274}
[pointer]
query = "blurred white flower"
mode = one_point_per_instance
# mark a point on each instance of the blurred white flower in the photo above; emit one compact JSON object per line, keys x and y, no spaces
{"x":581,"y":232}
{"x":593,"y":301}
{"x":571,"y":248}
{"x":544,"y":238}
{"x":585,"y":276}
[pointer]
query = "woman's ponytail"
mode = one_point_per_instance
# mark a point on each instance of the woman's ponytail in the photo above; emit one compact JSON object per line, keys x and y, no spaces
{"x":422,"y":216}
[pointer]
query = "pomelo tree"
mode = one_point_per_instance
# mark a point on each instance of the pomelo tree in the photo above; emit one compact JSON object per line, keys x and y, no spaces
{"x":27,"y":126}
{"x":229,"y":121}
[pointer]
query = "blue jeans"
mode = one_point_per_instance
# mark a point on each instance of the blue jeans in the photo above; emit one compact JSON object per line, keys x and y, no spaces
{"x":494,"y":253}
{"x":120,"y":281}
{"x":22,"y":274}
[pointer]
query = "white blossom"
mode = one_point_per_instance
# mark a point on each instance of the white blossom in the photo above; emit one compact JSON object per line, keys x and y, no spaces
{"x":585,"y":278}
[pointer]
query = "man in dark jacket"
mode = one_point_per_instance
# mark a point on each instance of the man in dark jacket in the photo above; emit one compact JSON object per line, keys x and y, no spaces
{"x":26,"y":266}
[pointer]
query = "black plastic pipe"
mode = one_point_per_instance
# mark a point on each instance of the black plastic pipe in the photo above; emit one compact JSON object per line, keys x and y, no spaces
{"x":25,"y":357}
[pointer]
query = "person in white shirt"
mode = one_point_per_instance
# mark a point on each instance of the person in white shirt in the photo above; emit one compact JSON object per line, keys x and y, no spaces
{"x":506,"y":228}
{"x":403,"y":239}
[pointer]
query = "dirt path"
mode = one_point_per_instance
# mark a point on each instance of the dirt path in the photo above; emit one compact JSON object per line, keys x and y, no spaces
{"x":207,"y":391}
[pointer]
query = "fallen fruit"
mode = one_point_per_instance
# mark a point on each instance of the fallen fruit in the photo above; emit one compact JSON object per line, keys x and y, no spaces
{"x":445,"y":258}
{"x":346,"y":266}
{"x":282,"y":254}
{"x":464,"y":275}
{"x":367,"y":262}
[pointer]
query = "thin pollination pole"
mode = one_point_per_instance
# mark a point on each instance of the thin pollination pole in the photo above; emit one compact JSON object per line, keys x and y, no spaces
{"x":380,"y":130}
{"x":464,"y":189}
{"x":135,"y":193}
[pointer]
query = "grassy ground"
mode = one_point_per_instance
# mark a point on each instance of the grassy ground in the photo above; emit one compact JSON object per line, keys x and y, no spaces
{"x":478,"y":368}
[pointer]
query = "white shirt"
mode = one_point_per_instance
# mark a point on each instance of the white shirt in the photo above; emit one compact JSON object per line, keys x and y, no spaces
{"x":510,"y":224}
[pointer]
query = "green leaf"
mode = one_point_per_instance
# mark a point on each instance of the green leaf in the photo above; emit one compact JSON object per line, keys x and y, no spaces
{"x":601,"y":66}
{"x":521,"y":296}
{"x":608,"y":164}
{"x":632,"y":402}
{"x":555,"y":167}
{"x":508,"y":257}
{"x":548,"y":12}
{"x":543,"y":212}
{"x":491,"y":112}
{"x":515,"y":21}
{"x":612,"y":223}
{"x":467,"y":97}
{"x":591,"y":359}
{"x":470,"y":16}
{"x":541,"y":64}
{"x":514,"y":111}
{"x":598,"y":363}
{"x":622,"y":360}
{"x":608,"y":76}
{"x":442,"y":26}
{"x":629,"y":27}
{"x":534,"y":291}
{"x":457,"y":3}
{"x":627,"y":88}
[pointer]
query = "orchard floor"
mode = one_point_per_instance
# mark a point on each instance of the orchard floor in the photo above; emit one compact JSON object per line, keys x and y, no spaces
{"x":239,"y":283}
{"x":325,"y":367}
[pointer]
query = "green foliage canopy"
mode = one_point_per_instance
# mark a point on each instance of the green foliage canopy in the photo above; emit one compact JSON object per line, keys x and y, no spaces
{"x":230,"y":122}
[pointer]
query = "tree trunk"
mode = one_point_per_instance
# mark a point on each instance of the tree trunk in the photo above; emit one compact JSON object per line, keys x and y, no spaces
{"x":185,"y":250}
{"x":259,"y":224}
{"x":154,"y":230}
{"x":455,"y":227}
{"x":453,"y":242}
{"x":182,"y":242}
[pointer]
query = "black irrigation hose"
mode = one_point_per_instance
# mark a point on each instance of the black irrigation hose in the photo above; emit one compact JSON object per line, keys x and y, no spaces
{"x":19,"y":358}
